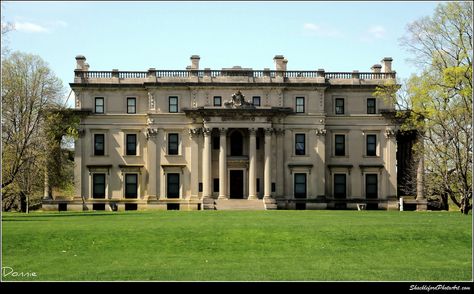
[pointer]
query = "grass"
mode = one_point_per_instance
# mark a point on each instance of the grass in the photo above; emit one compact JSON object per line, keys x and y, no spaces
{"x":239,"y":246}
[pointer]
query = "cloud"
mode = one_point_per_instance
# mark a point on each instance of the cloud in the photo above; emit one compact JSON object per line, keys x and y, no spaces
{"x":377,"y":32}
{"x":320,"y":30}
{"x":59,"y":23}
{"x":29,"y":27}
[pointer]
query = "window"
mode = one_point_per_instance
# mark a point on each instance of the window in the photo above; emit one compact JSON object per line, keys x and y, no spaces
{"x":340,"y":148}
{"x":256,"y":100}
{"x":339,"y":186}
{"x":216,"y":143}
{"x":131,"y":105}
{"x":217,"y":101}
{"x":216,"y":185}
{"x":371,"y":186}
{"x":131,"y":144}
{"x":371,"y":145}
{"x":172,"y":185}
{"x":131,"y":185}
{"x":300,"y":185}
{"x":299,"y":104}
{"x":300,"y":144}
{"x":173,"y":104}
{"x":172,"y":144}
{"x":339,"y":105}
{"x":98,"y":185}
{"x":99,"y":105}
{"x":273,"y":187}
{"x":370,"y":105}
{"x":257,"y":143}
{"x":258,"y":185}
{"x":200,"y":187}
{"x":99,"y":144}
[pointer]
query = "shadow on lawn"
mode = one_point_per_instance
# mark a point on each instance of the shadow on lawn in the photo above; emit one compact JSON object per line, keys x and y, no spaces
{"x":37,"y":217}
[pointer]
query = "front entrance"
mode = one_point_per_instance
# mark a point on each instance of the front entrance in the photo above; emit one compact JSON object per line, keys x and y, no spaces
{"x":236,"y":179}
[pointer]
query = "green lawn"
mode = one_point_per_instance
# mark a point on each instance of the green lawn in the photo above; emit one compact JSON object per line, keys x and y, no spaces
{"x":239,"y":246}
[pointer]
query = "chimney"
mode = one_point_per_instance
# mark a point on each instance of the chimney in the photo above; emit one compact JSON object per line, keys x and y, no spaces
{"x":376,"y":68}
{"x":280,"y":63}
{"x":387,"y":64}
{"x":86,"y":66}
{"x":195,"y":61}
{"x":80,"y":62}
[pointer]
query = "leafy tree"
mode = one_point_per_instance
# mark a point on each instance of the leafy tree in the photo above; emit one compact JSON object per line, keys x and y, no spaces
{"x":438,"y":100}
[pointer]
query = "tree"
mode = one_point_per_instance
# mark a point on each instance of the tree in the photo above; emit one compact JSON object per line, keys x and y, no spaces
{"x":439,"y":100}
{"x":29,"y":87}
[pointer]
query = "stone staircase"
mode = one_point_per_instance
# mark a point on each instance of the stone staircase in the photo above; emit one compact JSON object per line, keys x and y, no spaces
{"x":239,"y":204}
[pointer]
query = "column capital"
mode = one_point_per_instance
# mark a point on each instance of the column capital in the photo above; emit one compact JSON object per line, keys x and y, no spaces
{"x":321,"y":132}
{"x":279,"y":131}
{"x":252,"y":131}
{"x":223,"y":131}
{"x":269,"y":131}
{"x":81,"y":132}
{"x":390,"y":133}
{"x":151,"y":133}
{"x":195,"y":132}
{"x":206,"y":132}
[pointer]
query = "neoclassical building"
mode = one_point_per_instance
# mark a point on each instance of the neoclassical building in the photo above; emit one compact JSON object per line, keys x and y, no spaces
{"x":235,"y":138}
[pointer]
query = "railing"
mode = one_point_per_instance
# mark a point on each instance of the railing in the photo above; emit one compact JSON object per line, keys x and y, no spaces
{"x":232,"y":73}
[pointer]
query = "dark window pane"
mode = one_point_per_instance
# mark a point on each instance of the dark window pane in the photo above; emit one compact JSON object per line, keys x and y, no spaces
{"x":216,"y":185}
{"x":131,"y":144}
{"x":173,"y":186}
{"x":371,"y":186}
{"x":131,"y":185}
{"x":216,"y":143}
{"x":371,"y":106}
{"x":340,"y":186}
{"x":340,"y":145}
{"x":173,"y":144}
{"x":258,"y":185}
{"x":99,"y":144}
{"x":371,"y":145}
{"x":98,"y":186}
{"x":256,"y":100}
{"x":99,"y":105}
{"x":217,"y":101}
{"x":299,"y":104}
{"x":257,"y":143}
{"x":300,"y":144}
{"x":131,"y":105}
{"x":173,"y":103}
{"x":339,"y":106}
{"x":300,"y":185}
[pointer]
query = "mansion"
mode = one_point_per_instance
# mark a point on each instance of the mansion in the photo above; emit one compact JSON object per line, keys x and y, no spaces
{"x":235,"y":138}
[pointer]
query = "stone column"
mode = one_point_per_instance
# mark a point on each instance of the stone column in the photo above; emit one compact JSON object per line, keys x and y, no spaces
{"x":206,"y":164}
{"x":267,"y":191}
{"x":151,"y":162}
{"x":194,"y":134}
{"x":252,"y":165}
{"x":223,"y":164}
{"x":280,"y":175}
{"x":79,"y":169}
{"x":320,"y":167}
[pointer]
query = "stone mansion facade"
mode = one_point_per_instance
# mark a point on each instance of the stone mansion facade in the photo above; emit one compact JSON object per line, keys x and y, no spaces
{"x":232,"y":138}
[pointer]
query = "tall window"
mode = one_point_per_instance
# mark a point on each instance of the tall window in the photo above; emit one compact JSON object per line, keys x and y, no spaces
{"x":300,"y":144}
{"x":371,"y":145}
{"x":339,"y":186}
{"x":216,"y":185}
{"x":173,"y":144}
{"x":98,"y":185}
{"x":339,"y":105}
{"x":172,"y":190}
{"x":173,"y":104}
{"x":99,"y":105}
{"x":217,"y":101}
{"x":300,"y":185}
{"x":256,"y":100}
{"x":131,"y":144}
{"x":216,"y":142}
{"x":99,"y":144}
{"x":131,"y":105}
{"x":371,"y":186}
{"x":340,"y":145}
{"x":299,"y":104}
{"x":370,"y":105}
{"x":131,"y":185}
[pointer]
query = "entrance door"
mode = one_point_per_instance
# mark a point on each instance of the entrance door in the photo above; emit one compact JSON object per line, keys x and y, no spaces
{"x":173,"y":186}
{"x":236,"y":184}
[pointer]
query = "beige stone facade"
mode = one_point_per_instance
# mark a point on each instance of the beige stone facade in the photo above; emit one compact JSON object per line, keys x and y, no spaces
{"x":199,"y":138}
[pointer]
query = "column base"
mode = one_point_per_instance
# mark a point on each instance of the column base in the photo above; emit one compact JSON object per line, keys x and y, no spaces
{"x":222,"y":197}
{"x":267,"y":197}
{"x":252,"y":197}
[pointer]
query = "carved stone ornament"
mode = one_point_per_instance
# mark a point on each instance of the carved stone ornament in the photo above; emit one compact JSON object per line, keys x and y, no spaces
{"x":390,"y":133}
{"x":238,"y":101}
{"x":195,"y":132}
{"x":150,"y":132}
{"x":320,"y":132}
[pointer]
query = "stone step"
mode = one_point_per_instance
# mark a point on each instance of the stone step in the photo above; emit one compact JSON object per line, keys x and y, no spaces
{"x":239,"y":204}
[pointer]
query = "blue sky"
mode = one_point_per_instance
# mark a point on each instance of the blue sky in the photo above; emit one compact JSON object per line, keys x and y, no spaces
{"x":336,"y":36}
